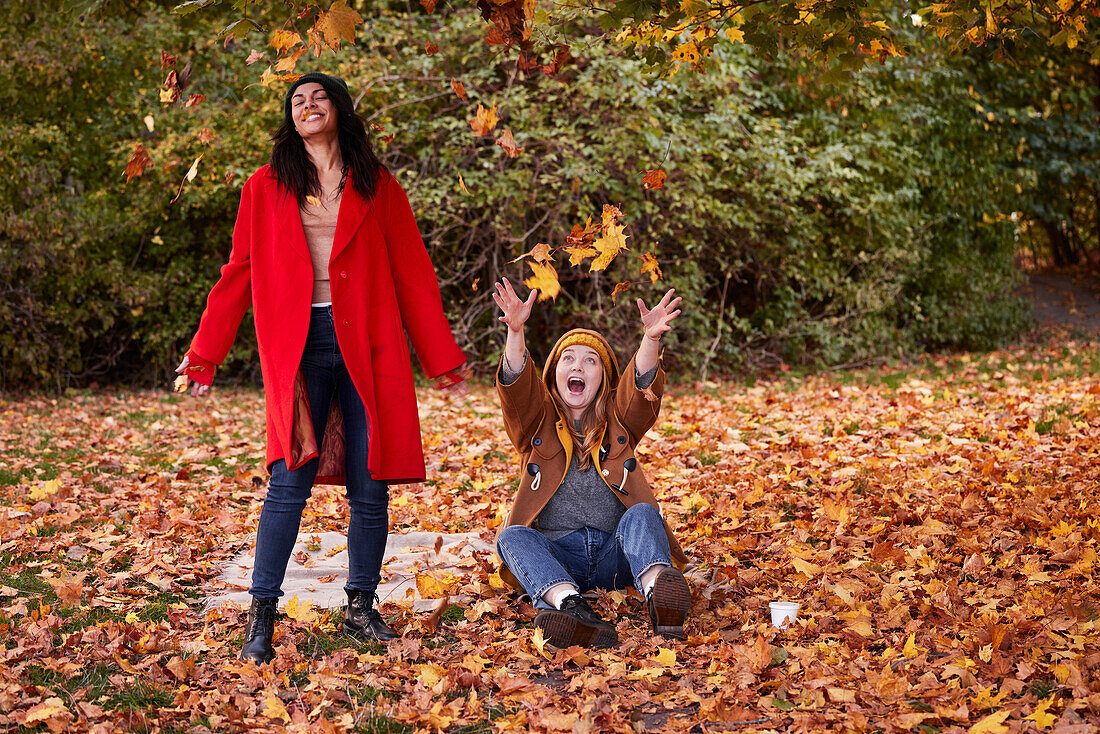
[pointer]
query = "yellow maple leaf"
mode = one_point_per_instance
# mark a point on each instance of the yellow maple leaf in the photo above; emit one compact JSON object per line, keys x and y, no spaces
{"x":544,"y":279}
{"x":992,"y":724}
{"x":805,"y":567}
{"x":44,"y":490}
{"x":485,"y":120}
{"x":910,"y":649}
{"x":274,"y":708}
{"x":300,"y":612}
{"x":45,"y":711}
{"x":539,"y":641}
{"x":577,"y":253}
{"x":609,"y":245}
{"x":338,"y":24}
{"x":665,"y":657}
{"x":1042,"y":718}
{"x":435,"y":584}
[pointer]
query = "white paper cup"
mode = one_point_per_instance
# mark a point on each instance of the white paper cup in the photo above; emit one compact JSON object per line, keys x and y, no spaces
{"x":783,"y":613}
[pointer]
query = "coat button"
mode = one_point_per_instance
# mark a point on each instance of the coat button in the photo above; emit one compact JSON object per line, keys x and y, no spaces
{"x":343,"y":273}
{"x":622,"y":439}
{"x":537,"y":441}
{"x":347,"y":323}
{"x":606,"y":472}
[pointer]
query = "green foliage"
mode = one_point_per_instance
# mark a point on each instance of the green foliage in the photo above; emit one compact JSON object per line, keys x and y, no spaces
{"x":803,"y":222}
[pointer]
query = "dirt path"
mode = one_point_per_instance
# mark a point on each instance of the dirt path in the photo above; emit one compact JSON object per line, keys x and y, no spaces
{"x":1071,"y":300}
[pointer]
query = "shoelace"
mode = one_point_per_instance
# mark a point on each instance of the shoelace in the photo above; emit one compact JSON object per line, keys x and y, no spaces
{"x":264,"y":619}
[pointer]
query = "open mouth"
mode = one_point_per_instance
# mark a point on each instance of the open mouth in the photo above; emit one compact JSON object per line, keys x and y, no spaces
{"x":575,"y":385}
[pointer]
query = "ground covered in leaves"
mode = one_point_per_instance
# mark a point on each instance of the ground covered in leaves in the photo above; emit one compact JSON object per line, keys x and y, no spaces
{"x":938,"y":523}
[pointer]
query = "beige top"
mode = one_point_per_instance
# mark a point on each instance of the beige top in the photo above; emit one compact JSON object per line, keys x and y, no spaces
{"x":319,"y":223}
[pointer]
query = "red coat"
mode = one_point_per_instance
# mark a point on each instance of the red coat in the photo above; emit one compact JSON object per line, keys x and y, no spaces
{"x":383,"y":285}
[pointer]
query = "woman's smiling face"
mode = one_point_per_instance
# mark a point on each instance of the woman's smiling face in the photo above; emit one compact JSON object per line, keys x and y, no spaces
{"x":578,"y":376}
{"x":313,"y":111}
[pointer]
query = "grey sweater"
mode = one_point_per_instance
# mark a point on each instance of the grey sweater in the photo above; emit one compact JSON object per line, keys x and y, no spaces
{"x":583,"y":499}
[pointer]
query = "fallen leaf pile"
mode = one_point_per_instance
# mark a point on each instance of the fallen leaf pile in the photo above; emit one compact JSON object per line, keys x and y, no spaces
{"x":939,"y":526}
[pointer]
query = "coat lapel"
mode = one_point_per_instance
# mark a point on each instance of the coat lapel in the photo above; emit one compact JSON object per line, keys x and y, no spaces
{"x":290,"y":220}
{"x":353,"y":210}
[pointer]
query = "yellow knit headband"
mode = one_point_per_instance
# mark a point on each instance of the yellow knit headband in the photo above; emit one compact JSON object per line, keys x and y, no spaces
{"x":586,"y":340}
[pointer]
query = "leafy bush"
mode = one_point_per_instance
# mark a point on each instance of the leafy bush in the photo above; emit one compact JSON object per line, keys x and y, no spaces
{"x":802,"y":223}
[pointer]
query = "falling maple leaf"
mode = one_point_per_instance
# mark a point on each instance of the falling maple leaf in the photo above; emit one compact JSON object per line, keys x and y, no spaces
{"x":206,"y":135}
{"x":654,"y":179}
{"x":555,"y":66}
{"x":167,"y":60}
{"x":462,"y":186}
{"x":288,"y":64}
{"x":253,"y":57}
{"x":544,"y":279}
{"x":540,"y":253}
{"x":189,"y":176}
{"x":430,"y":48}
{"x":458,"y":88}
{"x":429,"y":5}
{"x":506,"y":142}
{"x":619,"y":288}
{"x":485,"y":121}
{"x":651,"y":266}
{"x":138,"y":162}
{"x":337,"y":24}
{"x":194,"y":99}
{"x":609,"y":245}
{"x":432,"y":622}
{"x":283,"y":40}
{"x":435,"y":584}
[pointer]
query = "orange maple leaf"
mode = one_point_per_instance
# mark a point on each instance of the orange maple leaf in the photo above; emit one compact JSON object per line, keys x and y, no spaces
{"x":337,"y":24}
{"x":485,"y":121}
{"x":460,"y":90}
{"x":509,"y":144}
{"x":651,"y":266}
{"x":194,"y":99}
{"x":283,"y":41}
{"x":429,"y":5}
{"x":138,"y":162}
{"x":286,"y":64}
{"x":430,"y":48}
{"x":654,"y":179}
{"x":254,"y":57}
{"x":544,"y":279}
{"x":619,"y":288}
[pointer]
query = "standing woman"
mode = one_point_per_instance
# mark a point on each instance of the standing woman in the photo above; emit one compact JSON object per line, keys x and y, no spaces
{"x":328,"y":254}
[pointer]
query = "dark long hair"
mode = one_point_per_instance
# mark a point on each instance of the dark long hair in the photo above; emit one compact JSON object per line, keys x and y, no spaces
{"x":291,"y":163}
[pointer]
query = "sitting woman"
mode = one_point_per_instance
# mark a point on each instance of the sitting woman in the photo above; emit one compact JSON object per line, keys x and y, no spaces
{"x":584,"y":516}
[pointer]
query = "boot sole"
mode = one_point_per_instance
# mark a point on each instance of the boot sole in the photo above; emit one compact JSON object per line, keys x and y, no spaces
{"x":359,"y":633}
{"x":564,"y":630}
{"x":669,"y":603}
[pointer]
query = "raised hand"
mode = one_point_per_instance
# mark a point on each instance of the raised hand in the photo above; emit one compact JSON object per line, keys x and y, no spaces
{"x":516,"y":311}
{"x":658,"y":320}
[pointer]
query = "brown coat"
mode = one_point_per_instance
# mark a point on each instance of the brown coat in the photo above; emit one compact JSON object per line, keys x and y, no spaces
{"x":545,"y":444}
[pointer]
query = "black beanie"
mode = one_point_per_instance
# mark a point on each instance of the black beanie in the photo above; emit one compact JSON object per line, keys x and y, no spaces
{"x":334,"y":85}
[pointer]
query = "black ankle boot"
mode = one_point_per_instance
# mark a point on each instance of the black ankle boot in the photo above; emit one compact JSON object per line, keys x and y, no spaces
{"x":363,"y":620}
{"x":260,"y":631}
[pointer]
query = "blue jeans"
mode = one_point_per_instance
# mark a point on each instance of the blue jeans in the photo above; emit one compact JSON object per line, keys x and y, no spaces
{"x":326,"y":379}
{"x":586,"y":558}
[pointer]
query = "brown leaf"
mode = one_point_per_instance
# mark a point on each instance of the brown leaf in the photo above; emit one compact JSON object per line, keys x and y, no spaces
{"x":430,"y":48}
{"x":505,"y":141}
{"x":138,"y":162}
{"x":253,"y":57}
{"x":540,"y":253}
{"x":651,"y":266}
{"x":194,"y":99}
{"x":433,"y":620}
{"x":458,"y":88}
{"x":166,"y":60}
{"x":429,"y":5}
{"x":619,"y":288}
